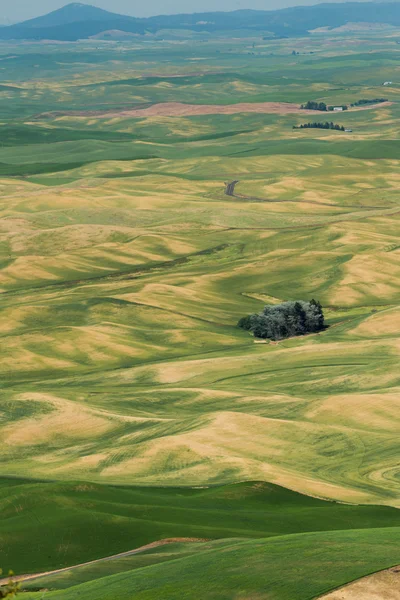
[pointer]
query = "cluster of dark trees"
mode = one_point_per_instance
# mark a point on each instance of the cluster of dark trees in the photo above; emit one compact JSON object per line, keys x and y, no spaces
{"x":325,"y":125}
{"x":285,"y":320}
{"x":312,"y":105}
{"x":364,"y":101}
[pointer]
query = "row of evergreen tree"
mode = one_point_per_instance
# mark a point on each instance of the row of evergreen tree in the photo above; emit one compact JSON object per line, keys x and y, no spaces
{"x":325,"y":125}
{"x":365,"y":101}
{"x":285,"y":320}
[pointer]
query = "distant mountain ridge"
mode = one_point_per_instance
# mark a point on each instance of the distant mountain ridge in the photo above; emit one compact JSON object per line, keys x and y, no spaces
{"x":81,"y":21}
{"x":71,"y":13}
{"x":70,"y":23}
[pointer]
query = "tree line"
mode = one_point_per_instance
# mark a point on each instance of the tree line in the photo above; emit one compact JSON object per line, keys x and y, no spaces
{"x":312,"y":105}
{"x":285,"y":320}
{"x":365,"y":101}
{"x":325,"y":125}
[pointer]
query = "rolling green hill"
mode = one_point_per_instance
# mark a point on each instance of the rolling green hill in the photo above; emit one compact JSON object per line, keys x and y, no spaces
{"x":97,"y":521}
{"x":153,"y":192}
{"x":301,"y":566}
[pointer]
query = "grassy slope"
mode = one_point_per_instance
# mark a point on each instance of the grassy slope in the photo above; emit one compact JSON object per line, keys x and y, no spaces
{"x":98,"y":521}
{"x":314,"y":563}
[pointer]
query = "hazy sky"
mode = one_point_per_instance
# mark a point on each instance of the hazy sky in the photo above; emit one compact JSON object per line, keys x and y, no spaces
{"x":19,"y":10}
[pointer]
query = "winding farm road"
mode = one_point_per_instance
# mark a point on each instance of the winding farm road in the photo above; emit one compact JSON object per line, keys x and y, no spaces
{"x":28,"y":577}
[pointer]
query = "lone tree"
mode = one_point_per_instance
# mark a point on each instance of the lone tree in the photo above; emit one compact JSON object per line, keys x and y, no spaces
{"x":285,"y":320}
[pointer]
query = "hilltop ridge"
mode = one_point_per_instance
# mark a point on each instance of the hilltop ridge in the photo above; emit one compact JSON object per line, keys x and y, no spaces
{"x":82,"y":21}
{"x":73,"y":12}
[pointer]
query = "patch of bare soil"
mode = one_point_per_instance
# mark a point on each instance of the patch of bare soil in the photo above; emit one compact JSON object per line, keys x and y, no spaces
{"x":384,"y":585}
{"x":179,"y":109}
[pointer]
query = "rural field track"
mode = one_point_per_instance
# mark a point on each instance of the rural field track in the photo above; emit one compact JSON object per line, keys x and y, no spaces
{"x":28,"y":577}
{"x":231,"y":186}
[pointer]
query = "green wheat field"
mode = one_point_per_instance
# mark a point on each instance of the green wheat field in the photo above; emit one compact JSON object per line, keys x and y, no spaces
{"x":133,"y":409}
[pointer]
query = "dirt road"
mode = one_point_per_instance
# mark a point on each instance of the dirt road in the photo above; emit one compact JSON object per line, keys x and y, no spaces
{"x":28,"y":577}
